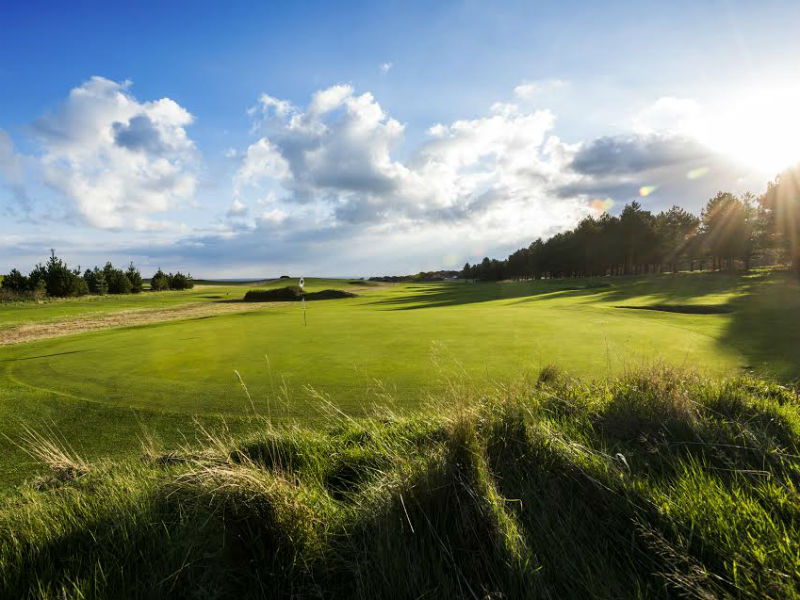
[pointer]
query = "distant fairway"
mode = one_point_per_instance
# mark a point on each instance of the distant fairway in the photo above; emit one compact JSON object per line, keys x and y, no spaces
{"x":102,"y":388}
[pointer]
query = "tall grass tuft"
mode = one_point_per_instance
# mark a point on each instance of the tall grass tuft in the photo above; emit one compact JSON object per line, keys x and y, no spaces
{"x":658,"y":485}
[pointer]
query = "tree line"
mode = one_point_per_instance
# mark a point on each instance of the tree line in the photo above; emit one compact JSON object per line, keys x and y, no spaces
{"x":731,"y":233}
{"x":421,"y":276}
{"x":56,"y":279}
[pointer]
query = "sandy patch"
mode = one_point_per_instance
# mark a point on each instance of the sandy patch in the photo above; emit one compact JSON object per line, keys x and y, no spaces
{"x":27,"y":332}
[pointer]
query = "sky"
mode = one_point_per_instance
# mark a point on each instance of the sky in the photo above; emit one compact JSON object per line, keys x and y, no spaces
{"x":355,"y":139}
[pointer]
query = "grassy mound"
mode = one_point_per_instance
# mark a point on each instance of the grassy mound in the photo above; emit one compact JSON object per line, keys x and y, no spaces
{"x":294,"y":293}
{"x":329,"y":295}
{"x":657,"y":485}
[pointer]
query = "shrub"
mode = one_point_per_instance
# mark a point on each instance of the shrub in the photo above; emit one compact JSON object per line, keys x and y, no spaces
{"x":329,"y":295}
{"x":56,"y":279}
{"x":284,"y":294}
{"x":38,"y":278}
{"x":96,"y":281}
{"x":7,"y":295}
{"x":135,"y":278}
{"x":118,"y":282}
{"x":293,"y":293}
{"x":179,"y":281}
{"x":159,"y":282}
{"x":16,"y":282}
{"x":60,"y":280}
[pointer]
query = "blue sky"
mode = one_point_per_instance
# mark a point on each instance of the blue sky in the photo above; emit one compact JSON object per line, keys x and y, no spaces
{"x":363,"y":138}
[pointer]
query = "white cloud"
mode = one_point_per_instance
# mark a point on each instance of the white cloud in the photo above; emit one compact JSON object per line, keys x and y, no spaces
{"x":10,"y":163}
{"x":665,"y":167}
{"x":333,"y":186}
{"x":117,"y":159}
{"x":331,"y":182}
{"x":386,"y":67}
{"x":757,"y":127}
{"x":262,"y":160}
{"x":273,"y":216}
{"x":678,"y":116}
{"x":531,"y":90}
{"x":334,"y":166}
{"x":329,"y":99}
{"x":237,"y":209}
{"x":11,"y":169}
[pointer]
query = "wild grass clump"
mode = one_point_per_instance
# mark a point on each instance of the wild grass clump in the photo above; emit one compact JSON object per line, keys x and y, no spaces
{"x":660,"y":484}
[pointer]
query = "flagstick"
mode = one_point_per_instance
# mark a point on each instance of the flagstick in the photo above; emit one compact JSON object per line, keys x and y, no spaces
{"x":302,"y":283}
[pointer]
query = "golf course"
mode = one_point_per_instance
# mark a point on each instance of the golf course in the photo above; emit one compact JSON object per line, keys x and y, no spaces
{"x":107,"y":372}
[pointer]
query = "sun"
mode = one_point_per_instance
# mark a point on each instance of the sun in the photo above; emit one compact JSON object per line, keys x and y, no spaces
{"x":759,"y":128}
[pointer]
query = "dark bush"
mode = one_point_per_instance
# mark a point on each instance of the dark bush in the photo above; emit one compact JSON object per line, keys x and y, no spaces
{"x":38,"y":278}
{"x":159,"y":282}
{"x":118,"y":282}
{"x":284,"y":294}
{"x":133,"y":275}
{"x":56,"y":279}
{"x":16,"y":282}
{"x":293,"y":293}
{"x":179,"y":281}
{"x":329,"y":295}
{"x":59,"y":279}
{"x":96,"y":280}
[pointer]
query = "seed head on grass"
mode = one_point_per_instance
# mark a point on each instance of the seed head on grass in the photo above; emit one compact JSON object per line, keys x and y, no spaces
{"x":64,"y":463}
{"x":246,"y":391}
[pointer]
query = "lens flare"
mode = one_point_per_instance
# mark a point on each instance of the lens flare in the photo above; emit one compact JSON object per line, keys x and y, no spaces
{"x":600,"y":205}
{"x":646,"y":190}
{"x":697,"y":173}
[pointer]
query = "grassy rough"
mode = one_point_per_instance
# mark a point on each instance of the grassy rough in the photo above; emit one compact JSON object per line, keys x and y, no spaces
{"x":656,"y":485}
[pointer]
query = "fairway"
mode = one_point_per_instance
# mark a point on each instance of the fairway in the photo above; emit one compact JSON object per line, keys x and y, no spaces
{"x":392,"y":344}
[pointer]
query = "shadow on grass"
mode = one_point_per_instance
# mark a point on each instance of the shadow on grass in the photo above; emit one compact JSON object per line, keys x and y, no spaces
{"x":761,"y":307}
{"x":41,"y":356}
{"x":686,"y":309}
{"x":454,"y":294}
{"x":663,"y":289}
{"x":765,"y":326}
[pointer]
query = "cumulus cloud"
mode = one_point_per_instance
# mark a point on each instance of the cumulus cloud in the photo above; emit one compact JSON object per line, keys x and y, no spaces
{"x":337,"y":154}
{"x":328,"y":183}
{"x":637,"y":153}
{"x":668,"y":158}
{"x":480,"y":185}
{"x":667,"y":167}
{"x":117,"y":159}
{"x":237,"y":209}
{"x":333,"y":185}
{"x":530,"y":90}
{"x":262,"y":160}
{"x":12,"y":171}
{"x":677,"y":116}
